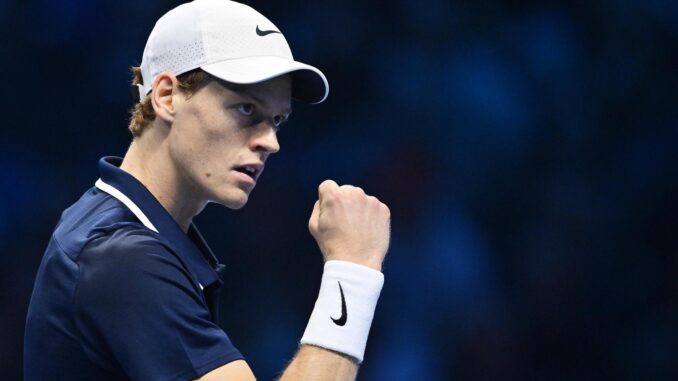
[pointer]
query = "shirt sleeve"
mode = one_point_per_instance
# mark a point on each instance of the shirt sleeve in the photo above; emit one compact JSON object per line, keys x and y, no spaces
{"x":138,"y":308}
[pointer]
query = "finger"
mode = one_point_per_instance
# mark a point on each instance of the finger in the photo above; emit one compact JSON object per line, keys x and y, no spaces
{"x":353,"y":189}
{"x":325,"y":187}
{"x":386,"y":209}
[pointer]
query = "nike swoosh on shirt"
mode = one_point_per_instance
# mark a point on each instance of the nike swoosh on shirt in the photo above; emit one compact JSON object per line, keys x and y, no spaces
{"x":344,"y":313}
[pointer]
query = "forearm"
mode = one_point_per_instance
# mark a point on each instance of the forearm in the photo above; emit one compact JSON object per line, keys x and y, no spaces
{"x":316,"y":363}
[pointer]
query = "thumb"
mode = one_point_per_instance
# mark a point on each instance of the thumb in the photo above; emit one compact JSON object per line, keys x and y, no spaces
{"x":313,"y":221}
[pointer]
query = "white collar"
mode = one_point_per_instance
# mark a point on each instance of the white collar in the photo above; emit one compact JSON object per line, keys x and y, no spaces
{"x":125,"y":200}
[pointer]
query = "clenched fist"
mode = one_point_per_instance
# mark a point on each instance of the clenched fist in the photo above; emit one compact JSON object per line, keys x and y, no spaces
{"x":350,"y":225}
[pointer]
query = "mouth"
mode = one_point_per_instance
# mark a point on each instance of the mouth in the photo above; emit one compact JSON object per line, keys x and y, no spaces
{"x":253,"y":171}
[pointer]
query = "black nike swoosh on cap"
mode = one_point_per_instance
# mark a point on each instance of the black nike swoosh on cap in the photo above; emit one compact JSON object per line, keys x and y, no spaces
{"x":263,"y":33}
{"x":344,"y":313}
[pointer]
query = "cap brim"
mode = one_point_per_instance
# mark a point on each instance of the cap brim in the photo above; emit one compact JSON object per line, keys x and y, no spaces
{"x":308,"y":83}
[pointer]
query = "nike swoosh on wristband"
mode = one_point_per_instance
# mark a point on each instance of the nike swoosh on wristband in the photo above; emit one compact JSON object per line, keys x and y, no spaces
{"x":263,"y":33}
{"x":344,"y":313}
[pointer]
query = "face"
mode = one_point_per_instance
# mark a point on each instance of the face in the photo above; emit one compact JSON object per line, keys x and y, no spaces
{"x":221,"y":137}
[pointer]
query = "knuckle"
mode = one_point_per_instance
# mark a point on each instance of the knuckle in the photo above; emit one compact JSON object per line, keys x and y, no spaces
{"x":329,"y":197}
{"x":327,"y":191}
{"x":326,"y":185}
{"x":353,"y":191}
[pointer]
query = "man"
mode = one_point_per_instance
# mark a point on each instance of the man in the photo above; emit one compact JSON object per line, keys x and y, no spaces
{"x":127,"y":288}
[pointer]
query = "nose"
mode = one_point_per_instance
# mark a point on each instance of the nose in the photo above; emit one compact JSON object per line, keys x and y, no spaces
{"x":265,"y":139}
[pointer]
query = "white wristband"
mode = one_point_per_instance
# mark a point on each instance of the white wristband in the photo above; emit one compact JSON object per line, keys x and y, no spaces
{"x":345,"y":307}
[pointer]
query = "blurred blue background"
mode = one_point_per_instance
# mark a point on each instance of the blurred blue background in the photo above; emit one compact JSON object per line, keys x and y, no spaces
{"x":527,"y":151}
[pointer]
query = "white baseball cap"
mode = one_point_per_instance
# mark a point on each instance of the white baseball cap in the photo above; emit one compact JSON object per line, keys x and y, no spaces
{"x":230,"y":41}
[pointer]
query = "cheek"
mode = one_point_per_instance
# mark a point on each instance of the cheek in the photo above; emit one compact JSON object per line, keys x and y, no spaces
{"x":206,"y":144}
{"x":218,"y":147}
{"x":189,"y":148}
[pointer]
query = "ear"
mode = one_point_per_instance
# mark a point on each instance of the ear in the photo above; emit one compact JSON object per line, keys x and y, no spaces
{"x":165,"y":87}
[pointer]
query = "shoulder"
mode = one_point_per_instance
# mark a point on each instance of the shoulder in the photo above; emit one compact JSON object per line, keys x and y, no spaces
{"x":95,"y":216}
{"x":130,"y":252}
{"x":125,"y":239}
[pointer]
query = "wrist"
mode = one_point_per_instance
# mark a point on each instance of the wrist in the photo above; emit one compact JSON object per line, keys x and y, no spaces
{"x":374,"y":262}
{"x":343,"y":312}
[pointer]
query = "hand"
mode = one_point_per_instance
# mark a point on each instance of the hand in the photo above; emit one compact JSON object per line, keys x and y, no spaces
{"x":350,"y":225}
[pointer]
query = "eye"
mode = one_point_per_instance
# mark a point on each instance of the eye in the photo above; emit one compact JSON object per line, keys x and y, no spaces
{"x":278,"y":120}
{"x":246,"y":109}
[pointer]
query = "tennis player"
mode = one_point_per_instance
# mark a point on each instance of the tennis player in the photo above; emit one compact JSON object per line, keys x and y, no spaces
{"x":127,"y":288}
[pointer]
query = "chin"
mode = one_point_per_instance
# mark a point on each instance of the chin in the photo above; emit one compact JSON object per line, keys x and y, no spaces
{"x":233,"y":201}
{"x":236,"y":206}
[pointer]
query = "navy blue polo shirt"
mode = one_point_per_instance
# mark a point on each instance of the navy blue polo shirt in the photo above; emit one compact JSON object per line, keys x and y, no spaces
{"x":123,"y":293}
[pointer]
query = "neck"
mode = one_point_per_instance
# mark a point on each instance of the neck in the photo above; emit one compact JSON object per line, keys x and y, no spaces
{"x":148,"y":160}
